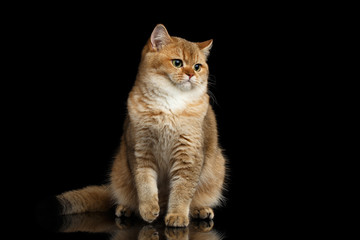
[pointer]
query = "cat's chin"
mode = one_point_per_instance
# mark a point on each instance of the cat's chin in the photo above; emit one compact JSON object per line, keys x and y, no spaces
{"x":185,"y":86}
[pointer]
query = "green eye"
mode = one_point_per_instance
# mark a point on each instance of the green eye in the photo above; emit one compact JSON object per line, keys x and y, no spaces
{"x":197,"y":67}
{"x":177,"y":63}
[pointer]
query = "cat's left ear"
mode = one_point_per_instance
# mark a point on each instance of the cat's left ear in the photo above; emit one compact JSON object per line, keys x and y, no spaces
{"x":205,"y":46}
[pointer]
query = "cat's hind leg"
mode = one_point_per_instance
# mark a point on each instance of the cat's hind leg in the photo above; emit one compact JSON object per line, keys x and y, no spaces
{"x":122,"y":185}
{"x":209,"y":190}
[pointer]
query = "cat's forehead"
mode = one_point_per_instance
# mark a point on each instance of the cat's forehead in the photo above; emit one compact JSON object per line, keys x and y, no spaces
{"x":186,"y":50}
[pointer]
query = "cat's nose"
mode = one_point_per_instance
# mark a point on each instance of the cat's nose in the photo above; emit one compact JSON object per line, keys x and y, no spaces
{"x":190,"y":75}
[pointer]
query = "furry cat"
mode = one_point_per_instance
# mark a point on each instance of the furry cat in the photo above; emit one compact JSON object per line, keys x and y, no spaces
{"x":169,"y":159}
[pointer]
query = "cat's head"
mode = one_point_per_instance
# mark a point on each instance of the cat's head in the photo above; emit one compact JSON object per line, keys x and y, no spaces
{"x":175,"y":60}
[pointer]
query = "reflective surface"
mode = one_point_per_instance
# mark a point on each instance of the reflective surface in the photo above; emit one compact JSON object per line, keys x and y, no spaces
{"x":106,"y":226}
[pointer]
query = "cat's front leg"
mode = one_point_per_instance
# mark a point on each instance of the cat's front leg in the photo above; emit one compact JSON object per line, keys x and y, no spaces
{"x":146,"y":185}
{"x":184,"y":178}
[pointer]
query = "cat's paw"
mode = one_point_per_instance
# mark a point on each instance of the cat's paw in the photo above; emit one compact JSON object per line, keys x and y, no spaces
{"x":121,"y":210}
{"x":149,"y":211}
{"x":176,"y":220}
{"x":202,"y":213}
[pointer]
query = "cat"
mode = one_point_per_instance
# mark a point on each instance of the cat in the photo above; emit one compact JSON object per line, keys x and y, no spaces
{"x":169,"y":161}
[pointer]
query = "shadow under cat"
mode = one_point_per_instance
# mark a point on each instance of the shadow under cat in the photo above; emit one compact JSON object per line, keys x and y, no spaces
{"x":128,"y":227}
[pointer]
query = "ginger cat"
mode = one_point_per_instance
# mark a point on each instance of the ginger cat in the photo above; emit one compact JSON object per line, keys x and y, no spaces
{"x":169,"y":159}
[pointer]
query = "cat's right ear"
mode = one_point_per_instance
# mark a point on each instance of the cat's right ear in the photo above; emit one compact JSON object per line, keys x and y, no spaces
{"x":159,"y":37}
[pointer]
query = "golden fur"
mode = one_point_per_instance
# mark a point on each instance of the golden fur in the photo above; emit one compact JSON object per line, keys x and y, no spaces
{"x":169,"y":159}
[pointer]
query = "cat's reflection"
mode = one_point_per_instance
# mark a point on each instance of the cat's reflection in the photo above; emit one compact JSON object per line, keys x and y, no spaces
{"x":133,"y":228}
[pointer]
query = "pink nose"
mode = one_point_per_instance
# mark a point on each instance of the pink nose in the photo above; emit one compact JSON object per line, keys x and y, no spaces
{"x":190,"y":75}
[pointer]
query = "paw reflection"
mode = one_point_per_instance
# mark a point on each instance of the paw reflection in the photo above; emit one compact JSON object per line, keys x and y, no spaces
{"x":123,"y":223}
{"x":203,"y":226}
{"x":133,"y":228}
{"x":148,"y":233}
{"x":176,"y":233}
{"x":197,"y":230}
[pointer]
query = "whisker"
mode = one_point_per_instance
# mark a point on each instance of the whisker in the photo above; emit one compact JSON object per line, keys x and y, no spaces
{"x":211,"y":80}
{"x":212,"y":98}
{"x":212,"y":83}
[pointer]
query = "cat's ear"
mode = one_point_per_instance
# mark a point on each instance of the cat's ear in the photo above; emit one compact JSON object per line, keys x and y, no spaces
{"x":205,"y":46}
{"x":159,"y":37}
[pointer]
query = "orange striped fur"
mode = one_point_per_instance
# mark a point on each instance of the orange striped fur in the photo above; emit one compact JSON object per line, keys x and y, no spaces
{"x":169,"y":159}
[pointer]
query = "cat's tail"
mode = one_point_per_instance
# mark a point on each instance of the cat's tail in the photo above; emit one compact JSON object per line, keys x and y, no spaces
{"x":87,"y":199}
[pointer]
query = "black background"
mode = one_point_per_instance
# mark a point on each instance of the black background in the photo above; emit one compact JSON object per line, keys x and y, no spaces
{"x":78,"y":64}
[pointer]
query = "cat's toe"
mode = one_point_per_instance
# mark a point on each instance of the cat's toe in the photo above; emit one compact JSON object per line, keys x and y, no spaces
{"x":149,"y":212}
{"x":122,"y":211}
{"x":202,"y":213}
{"x":176,"y":220}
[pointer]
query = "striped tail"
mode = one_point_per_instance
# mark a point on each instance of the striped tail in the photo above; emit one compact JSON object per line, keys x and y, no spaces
{"x":88,"y":199}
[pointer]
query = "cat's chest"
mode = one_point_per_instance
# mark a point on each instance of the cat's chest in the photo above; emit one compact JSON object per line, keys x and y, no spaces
{"x":164,"y":136}
{"x":164,"y":119}
{"x":165,"y":130}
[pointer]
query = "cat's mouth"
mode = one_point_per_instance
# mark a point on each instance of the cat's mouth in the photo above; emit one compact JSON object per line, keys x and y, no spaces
{"x":186,"y":84}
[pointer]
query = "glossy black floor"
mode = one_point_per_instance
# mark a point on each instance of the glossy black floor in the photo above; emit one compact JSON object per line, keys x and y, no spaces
{"x":106,"y":226}
{"x":262,"y":215}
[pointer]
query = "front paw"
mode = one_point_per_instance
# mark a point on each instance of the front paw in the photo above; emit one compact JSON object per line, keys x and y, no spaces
{"x":176,"y":220}
{"x":149,"y":211}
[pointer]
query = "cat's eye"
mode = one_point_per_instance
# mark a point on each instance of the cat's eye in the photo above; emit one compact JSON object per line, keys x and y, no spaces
{"x":197,"y":67}
{"x":177,"y":63}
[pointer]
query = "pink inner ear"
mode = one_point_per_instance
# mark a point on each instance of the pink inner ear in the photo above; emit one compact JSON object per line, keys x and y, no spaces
{"x":159,"y":37}
{"x":156,"y":43}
